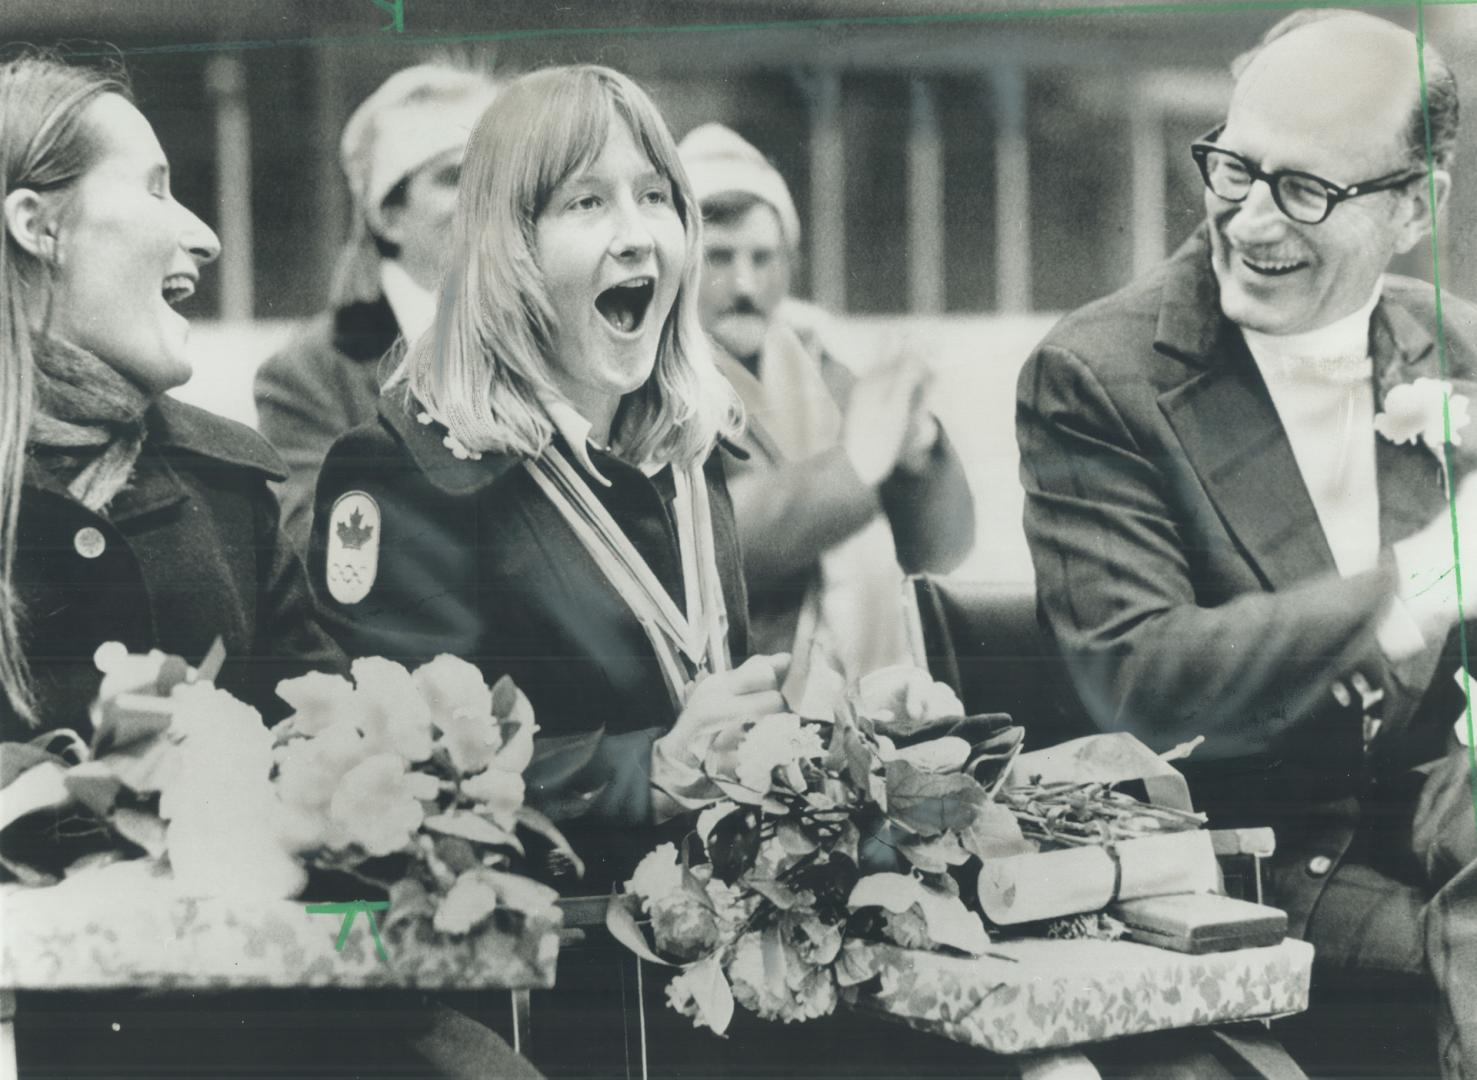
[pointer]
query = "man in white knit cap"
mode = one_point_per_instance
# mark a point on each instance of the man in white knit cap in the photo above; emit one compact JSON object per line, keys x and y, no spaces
{"x":849,"y":481}
{"x":401,"y":153}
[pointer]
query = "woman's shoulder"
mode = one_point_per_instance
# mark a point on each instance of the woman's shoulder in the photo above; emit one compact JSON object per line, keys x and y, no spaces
{"x":184,"y":429}
{"x":404,"y":447}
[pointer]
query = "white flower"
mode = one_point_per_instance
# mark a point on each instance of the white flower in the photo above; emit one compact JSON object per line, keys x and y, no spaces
{"x":320,"y":701}
{"x":472,"y":898}
{"x":423,"y":417}
{"x":948,"y":921}
{"x":497,"y":792}
{"x":902,"y":700}
{"x":391,"y":711}
{"x":378,"y":804}
{"x":773,"y":742}
{"x":309,"y":770}
{"x":657,"y":876}
{"x":1417,"y":410}
{"x":702,"y":993}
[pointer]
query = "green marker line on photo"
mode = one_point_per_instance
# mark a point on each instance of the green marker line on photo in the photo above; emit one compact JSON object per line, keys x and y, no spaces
{"x":349,"y":909}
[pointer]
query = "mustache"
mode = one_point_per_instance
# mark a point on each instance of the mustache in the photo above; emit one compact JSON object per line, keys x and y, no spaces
{"x":742,"y":305}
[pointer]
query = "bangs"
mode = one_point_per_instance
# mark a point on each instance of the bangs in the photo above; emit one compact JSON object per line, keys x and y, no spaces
{"x":568,"y":121}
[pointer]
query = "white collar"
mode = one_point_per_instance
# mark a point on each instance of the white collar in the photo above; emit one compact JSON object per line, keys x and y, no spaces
{"x":572,"y":425}
{"x":414,"y":307}
{"x":1337,"y":352}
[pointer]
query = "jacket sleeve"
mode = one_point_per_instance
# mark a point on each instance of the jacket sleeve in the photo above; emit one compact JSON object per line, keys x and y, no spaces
{"x":1253,"y":674}
{"x":300,"y":416}
{"x":931,"y":512}
{"x":289,"y":639}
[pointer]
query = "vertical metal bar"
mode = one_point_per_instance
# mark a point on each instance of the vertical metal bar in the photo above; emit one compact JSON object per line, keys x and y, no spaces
{"x":1147,"y":181}
{"x":827,"y":191}
{"x":522,"y":1005}
{"x":925,"y":202}
{"x":225,"y":78}
{"x":1012,"y":192}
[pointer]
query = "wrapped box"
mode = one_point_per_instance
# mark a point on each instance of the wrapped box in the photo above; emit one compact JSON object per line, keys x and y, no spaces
{"x":118,"y":926}
{"x":1038,"y":994}
{"x":1071,"y":880}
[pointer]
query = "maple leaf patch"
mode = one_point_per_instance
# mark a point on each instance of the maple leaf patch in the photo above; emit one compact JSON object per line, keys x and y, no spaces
{"x":353,"y":547}
{"x":354,"y":533}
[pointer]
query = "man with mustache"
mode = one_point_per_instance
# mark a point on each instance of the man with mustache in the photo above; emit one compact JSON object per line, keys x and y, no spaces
{"x":849,"y":480}
{"x":401,"y":153}
{"x":1237,"y":509}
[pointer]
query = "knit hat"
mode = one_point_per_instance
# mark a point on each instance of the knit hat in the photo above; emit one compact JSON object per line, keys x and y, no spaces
{"x":415,"y":116}
{"x":719,"y":161}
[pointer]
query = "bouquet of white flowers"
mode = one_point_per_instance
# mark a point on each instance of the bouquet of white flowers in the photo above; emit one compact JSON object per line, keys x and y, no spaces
{"x":834,"y":831}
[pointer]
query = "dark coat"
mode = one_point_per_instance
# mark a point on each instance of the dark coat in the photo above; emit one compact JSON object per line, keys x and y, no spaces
{"x":475,"y":561}
{"x":188,"y":551}
{"x":323,"y":383}
{"x":1183,"y":571}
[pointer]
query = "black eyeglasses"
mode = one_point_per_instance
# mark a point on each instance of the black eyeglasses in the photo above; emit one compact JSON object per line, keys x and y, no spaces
{"x":1301,"y":196}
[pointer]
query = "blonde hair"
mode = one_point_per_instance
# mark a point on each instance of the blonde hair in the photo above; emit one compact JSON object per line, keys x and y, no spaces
{"x":44,"y":146}
{"x":483,"y":368}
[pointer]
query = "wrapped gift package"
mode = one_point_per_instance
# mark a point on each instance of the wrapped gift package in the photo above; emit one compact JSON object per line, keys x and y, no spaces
{"x":1073,"y":880}
{"x":1039,"y":994}
{"x":1200,"y":922}
{"x":120,"y":926}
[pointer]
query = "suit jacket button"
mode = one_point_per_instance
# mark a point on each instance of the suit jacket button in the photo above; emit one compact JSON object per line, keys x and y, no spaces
{"x":89,"y":542}
{"x":1319,"y":865}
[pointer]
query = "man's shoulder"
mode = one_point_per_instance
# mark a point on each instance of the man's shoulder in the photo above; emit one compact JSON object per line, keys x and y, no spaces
{"x":301,"y":358}
{"x":1124,"y":321}
{"x":1421,"y":300}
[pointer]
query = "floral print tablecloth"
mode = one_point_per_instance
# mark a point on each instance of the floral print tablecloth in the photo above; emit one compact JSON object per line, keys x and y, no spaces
{"x":1034,"y":995}
{"x":121,"y":928}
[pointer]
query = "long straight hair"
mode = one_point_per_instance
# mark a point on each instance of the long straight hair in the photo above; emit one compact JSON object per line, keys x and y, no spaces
{"x":44,"y":146}
{"x":483,"y":368}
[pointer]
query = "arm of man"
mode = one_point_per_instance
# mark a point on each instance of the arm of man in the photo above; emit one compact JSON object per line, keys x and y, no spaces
{"x":1252,"y":673}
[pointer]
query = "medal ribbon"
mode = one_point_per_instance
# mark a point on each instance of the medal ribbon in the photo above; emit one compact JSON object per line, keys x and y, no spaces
{"x":701,"y":634}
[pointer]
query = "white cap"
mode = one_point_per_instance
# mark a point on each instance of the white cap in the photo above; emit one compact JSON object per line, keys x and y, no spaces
{"x":719,"y":161}
{"x":416,"y":115}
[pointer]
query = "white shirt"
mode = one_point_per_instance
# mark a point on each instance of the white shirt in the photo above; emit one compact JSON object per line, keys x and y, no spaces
{"x":1322,"y":386}
{"x":413,"y":306}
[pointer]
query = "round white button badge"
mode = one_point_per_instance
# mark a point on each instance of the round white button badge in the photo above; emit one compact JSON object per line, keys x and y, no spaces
{"x":89,"y":542}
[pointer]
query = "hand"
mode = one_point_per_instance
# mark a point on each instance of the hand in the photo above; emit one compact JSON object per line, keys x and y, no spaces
{"x":1424,"y":562}
{"x":882,"y":412}
{"x":923,"y":436}
{"x":723,"y":700}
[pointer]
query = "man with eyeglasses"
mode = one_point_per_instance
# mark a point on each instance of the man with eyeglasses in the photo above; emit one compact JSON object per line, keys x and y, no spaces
{"x":1239,"y":528}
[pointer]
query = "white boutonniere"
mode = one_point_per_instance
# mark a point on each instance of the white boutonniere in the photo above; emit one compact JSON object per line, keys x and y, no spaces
{"x":1418,"y":411}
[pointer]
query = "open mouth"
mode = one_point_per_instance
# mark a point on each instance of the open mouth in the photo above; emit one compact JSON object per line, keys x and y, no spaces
{"x":1272,"y":267}
{"x":624,"y":305}
{"x":177,"y":288}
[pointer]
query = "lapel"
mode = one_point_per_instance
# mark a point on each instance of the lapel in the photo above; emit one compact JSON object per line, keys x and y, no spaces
{"x":1411,"y":490}
{"x":1229,"y":430}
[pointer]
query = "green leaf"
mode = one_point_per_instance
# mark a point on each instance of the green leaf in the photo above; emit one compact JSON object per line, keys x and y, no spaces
{"x":711,"y":993}
{"x":621,"y":923}
{"x":41,"y":787}
{"x":94,"y":785}
{"x":995,"y":833}
{"x":471,"y":826}
{"x":16,"y":758}
{"x":142,"y":828}
{"x":530,"y":818}
{"x":929,"y":803}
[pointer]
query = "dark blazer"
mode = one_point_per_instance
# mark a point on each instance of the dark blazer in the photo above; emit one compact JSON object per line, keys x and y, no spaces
{"x":323,"y":383}
{"x":1182,"y":569}
{"x":189,"y":550}
{"x":473,"y":560}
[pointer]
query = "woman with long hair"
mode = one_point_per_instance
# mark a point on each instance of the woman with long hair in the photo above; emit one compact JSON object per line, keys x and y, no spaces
{"x":540,"y":494}
{"x":128,"y":516}
{"x":124,"y":515}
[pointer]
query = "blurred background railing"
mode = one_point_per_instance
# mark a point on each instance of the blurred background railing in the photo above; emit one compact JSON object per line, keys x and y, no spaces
{"x":969,"y":166}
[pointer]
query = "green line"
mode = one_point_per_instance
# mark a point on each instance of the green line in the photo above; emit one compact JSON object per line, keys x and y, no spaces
{"x":1456,"y":545}
{"x":1178,"y":7}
